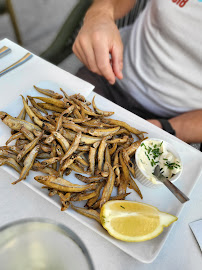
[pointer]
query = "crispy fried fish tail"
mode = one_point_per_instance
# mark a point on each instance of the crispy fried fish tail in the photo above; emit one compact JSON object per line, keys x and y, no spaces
{"x":87,"y":212}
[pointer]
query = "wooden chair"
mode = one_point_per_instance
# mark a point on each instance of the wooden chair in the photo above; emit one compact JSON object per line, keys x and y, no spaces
{"x":7,"y":7}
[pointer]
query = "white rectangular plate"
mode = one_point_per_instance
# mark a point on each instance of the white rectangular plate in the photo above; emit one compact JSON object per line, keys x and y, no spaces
{"x":161,"y":198}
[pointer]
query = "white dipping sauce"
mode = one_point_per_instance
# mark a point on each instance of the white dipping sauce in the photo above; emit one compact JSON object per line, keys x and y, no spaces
{"x":153,"y":153}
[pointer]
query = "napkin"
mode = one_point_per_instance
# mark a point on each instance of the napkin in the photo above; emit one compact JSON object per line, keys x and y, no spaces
{"x":196,"y":228}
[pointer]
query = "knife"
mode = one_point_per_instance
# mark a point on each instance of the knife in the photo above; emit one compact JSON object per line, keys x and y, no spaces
{"x":16,"y":64}
{"x":178,"y":193}
{"x":4,"y":51}
{"x":196,"y":227}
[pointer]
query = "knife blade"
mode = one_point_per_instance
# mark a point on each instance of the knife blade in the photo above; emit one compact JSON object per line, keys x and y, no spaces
{"x":178,"y":193}
{"x":196,"y":227}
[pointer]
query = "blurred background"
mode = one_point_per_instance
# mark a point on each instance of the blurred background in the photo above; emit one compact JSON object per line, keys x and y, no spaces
{"x":39,"y":22}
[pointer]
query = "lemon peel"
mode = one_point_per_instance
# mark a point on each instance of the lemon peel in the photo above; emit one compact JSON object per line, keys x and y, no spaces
{"x":134,"y":221}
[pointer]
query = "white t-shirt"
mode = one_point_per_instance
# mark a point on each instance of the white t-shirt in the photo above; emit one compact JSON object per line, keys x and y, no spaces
{"x":163,"y":57}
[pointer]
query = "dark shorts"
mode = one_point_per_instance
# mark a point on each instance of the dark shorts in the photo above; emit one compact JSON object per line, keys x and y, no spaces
{"x":114,"y":93}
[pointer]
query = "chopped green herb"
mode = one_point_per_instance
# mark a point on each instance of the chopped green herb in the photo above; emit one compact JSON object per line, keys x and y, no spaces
{"x":153,"y":163}
{"x":147,"y":155}
{"x":172,"y":165}
{"x":122,"y":207}
{"x":156,"y":152}
{"x":150,"y":149}
{"x":144,"y":146}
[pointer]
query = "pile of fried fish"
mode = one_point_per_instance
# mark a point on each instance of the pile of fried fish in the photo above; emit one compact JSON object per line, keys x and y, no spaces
{"x":63,"y":134}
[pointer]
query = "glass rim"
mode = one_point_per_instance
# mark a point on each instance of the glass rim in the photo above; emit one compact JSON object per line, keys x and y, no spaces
{"x":62,"y":227}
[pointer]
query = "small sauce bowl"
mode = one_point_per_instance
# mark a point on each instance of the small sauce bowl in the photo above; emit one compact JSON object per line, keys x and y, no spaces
{"x":145,"y":178}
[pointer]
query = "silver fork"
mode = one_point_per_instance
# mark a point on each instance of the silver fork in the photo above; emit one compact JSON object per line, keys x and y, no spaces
{"x":16,"y":64}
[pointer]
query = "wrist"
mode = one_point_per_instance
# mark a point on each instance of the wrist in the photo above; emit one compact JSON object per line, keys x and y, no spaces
{"x":167,"y":126}
{"x":100,"y":9}
{"x":155,"y":122}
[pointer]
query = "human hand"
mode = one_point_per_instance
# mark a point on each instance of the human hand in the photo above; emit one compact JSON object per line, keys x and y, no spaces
{"x":98,"y":38}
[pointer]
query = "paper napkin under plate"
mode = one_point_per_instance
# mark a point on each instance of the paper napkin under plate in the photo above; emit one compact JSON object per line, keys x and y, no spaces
{"x":196,"y":227}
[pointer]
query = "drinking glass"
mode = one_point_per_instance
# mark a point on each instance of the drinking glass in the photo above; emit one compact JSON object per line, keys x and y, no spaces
{"x":40,"y":244}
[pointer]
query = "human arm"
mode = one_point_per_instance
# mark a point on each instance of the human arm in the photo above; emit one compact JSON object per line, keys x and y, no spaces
{"x":188,"y":126}
{"x":99,"y":37}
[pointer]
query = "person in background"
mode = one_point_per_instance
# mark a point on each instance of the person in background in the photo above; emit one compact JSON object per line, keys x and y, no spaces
{"x":155,"y":65}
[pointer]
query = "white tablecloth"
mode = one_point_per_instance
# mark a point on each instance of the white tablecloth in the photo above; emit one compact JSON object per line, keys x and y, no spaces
{"x":180,"y":250}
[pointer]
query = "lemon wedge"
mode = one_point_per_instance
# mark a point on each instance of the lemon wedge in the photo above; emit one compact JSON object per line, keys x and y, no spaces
{"x":133,"y":221}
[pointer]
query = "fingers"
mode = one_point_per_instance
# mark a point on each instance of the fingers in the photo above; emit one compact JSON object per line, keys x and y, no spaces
{"x":101,"y":51}
{"x":94,"y":51}
{"x":89,"y":53}
{"x":117,"y":60}
{"x":77,"y":51}
{"x":96,"y":58}
{"x":83,"y":50}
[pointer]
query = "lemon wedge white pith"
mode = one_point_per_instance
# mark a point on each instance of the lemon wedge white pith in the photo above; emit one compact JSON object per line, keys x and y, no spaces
{"x":134,"y":221}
